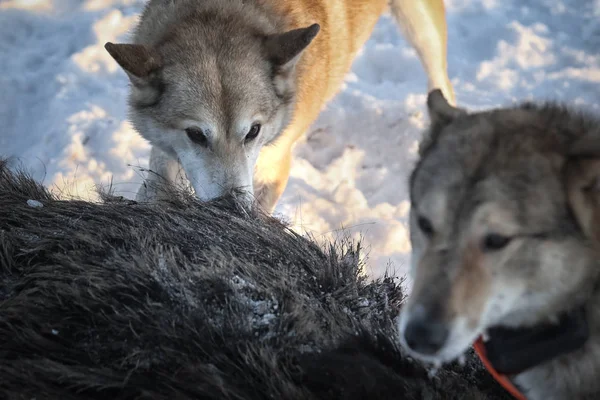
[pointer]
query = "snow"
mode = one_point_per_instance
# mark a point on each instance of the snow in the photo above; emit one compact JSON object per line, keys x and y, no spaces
{"x":63,"y":109}
{"x":264,"y":311}
{"x":34,"y":203}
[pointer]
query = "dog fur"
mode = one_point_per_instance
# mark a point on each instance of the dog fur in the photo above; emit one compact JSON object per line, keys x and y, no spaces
{"x":149,"y":301}
{"x":223,"y":89}
{"x":504,"y":229}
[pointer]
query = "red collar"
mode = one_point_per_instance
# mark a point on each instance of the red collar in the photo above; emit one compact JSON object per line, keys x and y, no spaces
{"x":500,"y":378}
{"x":513,"y":351}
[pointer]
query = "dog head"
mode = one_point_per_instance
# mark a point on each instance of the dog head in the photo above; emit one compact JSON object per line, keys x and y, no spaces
{"x":212,"y":93}
{"x":503,"y":223}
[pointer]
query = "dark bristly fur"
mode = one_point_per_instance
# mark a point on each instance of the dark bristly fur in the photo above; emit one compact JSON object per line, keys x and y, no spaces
{"x":193,"y":301}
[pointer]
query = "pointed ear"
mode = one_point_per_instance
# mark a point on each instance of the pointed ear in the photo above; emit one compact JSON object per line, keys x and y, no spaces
{"x":440,"y":111}
{"x":283,"y":49}
{"x":138,"y":61}
{"x":582,"y":174}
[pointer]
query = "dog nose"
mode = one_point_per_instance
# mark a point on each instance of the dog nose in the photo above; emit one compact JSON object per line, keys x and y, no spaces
{"x":425,"y":335}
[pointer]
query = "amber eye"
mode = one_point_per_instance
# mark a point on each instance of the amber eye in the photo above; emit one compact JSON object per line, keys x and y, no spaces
{"x":494,"y":241}
{"x":425,"y":226}
{"x":253,"y":133}
{"x":197,"y":136}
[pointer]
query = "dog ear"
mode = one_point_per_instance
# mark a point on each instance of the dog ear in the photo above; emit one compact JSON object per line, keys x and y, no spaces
{"x":582,"y":174}
{"x":440,"y":111}
{"x":283,"y":49}
{"x":138,"y":61}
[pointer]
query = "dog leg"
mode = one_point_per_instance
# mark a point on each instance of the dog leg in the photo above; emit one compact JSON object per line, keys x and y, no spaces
{"x":163,"y":171}
{"x":423,"y":23}
{"x":271,"y":175}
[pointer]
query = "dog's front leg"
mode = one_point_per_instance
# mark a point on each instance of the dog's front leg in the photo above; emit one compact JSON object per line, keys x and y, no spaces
{"x":271,"y":175}
{"x":423,"y":23}
{"x":163,"y":173}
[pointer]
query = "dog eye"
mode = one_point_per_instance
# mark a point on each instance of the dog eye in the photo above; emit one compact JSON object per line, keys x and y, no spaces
{"x":494,"y":241}
{"x":425,"y":226}
{"x":254,"y":131}
{"x":197,"y":136}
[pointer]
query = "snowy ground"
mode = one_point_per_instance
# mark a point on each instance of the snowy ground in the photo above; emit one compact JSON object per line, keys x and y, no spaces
{"x":63,"y":114}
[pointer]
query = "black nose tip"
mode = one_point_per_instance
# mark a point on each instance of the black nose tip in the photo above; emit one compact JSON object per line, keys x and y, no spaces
{"x":425,"y":336}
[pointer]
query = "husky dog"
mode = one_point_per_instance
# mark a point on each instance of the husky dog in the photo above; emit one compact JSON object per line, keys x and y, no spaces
{"x":504,"y":222}
{"x":224,"y":88}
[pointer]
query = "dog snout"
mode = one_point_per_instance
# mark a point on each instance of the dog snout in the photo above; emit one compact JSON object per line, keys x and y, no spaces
{"x":425,"y":333}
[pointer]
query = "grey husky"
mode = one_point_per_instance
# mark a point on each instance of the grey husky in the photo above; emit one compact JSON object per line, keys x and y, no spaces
{"x":504,"y":222}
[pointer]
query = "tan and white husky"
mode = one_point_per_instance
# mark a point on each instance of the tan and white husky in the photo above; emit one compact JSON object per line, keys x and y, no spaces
{"x":224,"y":88}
